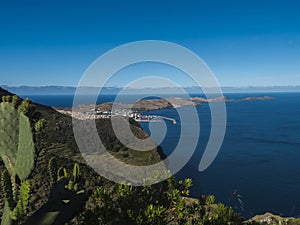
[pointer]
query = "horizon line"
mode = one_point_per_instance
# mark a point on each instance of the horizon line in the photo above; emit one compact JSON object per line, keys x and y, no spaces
{"x":71,"y":86}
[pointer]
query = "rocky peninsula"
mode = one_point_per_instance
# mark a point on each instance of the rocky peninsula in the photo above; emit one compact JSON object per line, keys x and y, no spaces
{"x":108,"y":109}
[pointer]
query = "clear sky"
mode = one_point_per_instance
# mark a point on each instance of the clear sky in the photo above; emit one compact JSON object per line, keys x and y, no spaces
{"x":49,"y":42}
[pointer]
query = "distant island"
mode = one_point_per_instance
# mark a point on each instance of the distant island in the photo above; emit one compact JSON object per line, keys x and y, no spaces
{"x":70,"y":90}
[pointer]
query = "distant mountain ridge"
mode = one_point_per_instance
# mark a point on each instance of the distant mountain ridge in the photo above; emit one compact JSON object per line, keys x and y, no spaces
{"x":70,"y":90}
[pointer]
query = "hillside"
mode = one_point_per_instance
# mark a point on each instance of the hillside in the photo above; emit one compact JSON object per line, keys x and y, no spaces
{"x":4,"y":92}
{"x":56,"y":140}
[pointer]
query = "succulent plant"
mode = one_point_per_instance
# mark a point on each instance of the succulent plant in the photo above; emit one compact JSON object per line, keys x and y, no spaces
{"x":7,"y":189}
{"x":52,"y":170}
{"x":17,"y":150}
{"x":76,"y":172}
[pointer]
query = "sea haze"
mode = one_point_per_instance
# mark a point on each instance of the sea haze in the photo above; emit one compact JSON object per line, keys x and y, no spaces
{"x":257,"y":168}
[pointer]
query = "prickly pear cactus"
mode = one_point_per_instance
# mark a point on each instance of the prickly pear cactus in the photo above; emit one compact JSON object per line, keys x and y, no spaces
{"x":6,"y":187}
{"x":26,"y":149}
{"x":17,"y":151}
{"x":14,"y":209}
{"x":17,"y":148}
{"x":9,"y":134}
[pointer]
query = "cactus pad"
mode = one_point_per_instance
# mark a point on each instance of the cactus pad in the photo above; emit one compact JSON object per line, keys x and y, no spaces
{"x":26,"y":149}
{"x":17,"y":148}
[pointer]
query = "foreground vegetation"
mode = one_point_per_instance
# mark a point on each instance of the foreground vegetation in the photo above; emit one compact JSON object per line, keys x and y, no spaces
{"x":44,"y":179}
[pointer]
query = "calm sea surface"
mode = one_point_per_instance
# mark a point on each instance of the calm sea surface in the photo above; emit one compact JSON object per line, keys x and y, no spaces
{"x":258,"y":167}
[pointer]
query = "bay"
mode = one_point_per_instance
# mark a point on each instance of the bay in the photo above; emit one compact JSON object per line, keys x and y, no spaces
{"x":258,"y":166}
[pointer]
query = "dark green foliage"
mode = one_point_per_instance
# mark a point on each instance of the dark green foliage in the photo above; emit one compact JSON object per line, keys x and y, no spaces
{"x":16,"y":101}
{"x":6,"y":98}
{"x":27,"y":108}
{"x":16,"y":207}
{"x":70,"y":185}
{"x":65,"y":172}
{"x":74,"y":183}
{"x":39,"y":125}
{"x":42,"y":152}
{"x":22,"y":205}
{"x":210,"y":199}
{"x":76,"y":172}
{"x":73,"y":179}
{"x":25,"y":195}
{"x":153,"y":214}
{"x":15,"y":186}
{"x":62,"y":173}
{"x":7,"y":189}
{"x":256,"y":223}
{"x":76,"y":187}
{"x":52,"y":170}
{"x":160,"y":204}
{"x":125,"y":155}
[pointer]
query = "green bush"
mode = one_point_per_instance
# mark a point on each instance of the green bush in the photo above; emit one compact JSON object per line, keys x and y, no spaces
{"x":27,"y":108}
{"x":39,"y":125}
{"x":16,"y":101}
{"x":160,"y":204}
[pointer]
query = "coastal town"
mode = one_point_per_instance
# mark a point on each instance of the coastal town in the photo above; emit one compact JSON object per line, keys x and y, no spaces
{"x":135,"y":111}
{"x":97,"y":113}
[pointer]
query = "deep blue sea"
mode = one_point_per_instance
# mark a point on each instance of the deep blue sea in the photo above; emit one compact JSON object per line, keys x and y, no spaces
{"x":258,"y":166}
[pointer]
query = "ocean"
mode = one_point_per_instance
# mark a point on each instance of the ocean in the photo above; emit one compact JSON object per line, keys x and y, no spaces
{"x":258,"y":167}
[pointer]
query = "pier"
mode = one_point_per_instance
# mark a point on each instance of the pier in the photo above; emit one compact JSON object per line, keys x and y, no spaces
{"x":167,"y":118}
{"x":156,"y":117}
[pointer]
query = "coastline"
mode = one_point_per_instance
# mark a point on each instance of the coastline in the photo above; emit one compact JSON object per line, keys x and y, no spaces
{"x":108,"y":109}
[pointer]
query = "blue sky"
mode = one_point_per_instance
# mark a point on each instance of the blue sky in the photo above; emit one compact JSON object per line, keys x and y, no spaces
{"x":244,"y":42}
